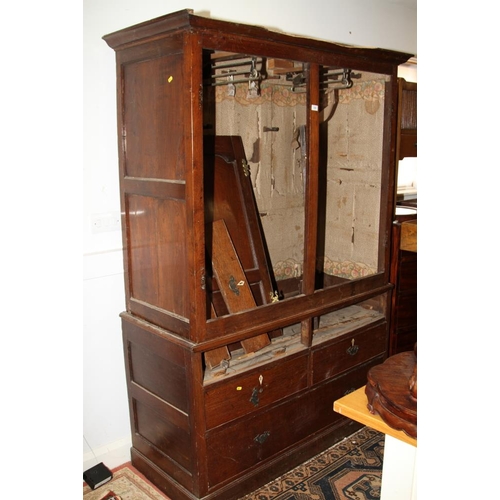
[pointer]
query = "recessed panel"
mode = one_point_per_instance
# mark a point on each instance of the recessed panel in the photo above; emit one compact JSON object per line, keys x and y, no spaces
{"x":163,"y":433}
{"x":153,"y":117}
{"x":159,"y":376}
{"x":158,"y":253}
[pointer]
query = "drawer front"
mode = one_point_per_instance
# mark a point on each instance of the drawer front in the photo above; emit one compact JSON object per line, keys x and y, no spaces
{"x":234,"y":448}
{"x":351,"y":350}
{"x":241,"y":395}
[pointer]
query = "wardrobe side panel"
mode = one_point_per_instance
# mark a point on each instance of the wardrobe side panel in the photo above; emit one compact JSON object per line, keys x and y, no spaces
{"x":153,"y":180}
{"x":159,"y":399}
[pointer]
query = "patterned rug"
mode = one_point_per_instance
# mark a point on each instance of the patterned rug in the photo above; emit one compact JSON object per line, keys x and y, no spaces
{"x":350,"y":470}
{"x":127,"y":484}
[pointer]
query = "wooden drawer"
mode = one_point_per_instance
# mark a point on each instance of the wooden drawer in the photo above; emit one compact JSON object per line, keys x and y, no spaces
{"x":241,"y":395}
{"x":320,"y":412}
{"x":234,"y":448}
{"x":348,"y":351}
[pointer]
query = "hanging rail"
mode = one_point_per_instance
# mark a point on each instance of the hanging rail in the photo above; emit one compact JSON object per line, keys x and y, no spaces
{"x":253,"y":75}
{"x":330,"y":78}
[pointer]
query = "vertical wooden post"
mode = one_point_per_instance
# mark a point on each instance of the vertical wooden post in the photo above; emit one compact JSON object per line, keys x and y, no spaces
{"x":311,"y":193}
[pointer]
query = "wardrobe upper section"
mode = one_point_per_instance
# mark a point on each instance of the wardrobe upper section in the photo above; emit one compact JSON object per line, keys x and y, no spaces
{"x":289,"y":140}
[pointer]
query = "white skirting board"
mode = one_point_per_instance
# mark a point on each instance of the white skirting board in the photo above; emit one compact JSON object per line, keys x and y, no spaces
{"x":111,"y":455}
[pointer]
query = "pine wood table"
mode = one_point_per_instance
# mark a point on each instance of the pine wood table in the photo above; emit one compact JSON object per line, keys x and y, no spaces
{"x":354,"y":406}
{"x":399,"y":468}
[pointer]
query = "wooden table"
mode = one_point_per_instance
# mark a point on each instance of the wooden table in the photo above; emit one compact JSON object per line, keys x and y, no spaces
{"x":399,"y":468}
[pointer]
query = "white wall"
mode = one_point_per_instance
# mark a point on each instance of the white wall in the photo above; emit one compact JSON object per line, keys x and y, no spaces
{"x":387,"y":24}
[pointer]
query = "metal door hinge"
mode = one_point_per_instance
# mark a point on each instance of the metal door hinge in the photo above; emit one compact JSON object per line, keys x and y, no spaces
{"x":246,"y":167}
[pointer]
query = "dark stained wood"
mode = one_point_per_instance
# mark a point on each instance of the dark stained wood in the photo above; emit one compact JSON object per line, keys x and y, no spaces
{"x":158,"y":398}
{"x":252,"y":391}
{"x":287,"y":46}
{"x":407,"y":119}
{"x":253,"y":477}
{"x":312,"y":185}
{"x":222,"y":438}
{"x":195,"y":218}
{"x":215,"y":357}
{"x":347,"y":352}
{"x":232,"y":281}
{"x":408,"y":92}
{"x":268,"y":317}
{"x":391,"y":392}
{"x":403,"y":267}
{"x":408,"y":144}
{"x":159,"y":317}
{"x":152,"y":191}
{"x":312,"y":180}
{"x":152,"y":243}
{"x":229,"y":196}
{"x":403,"y":323}
{"x":389,"y":174}
{"x":265,"y":434}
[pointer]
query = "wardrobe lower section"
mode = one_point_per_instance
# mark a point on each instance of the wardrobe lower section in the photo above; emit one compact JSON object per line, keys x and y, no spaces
{"x":225,"y":439}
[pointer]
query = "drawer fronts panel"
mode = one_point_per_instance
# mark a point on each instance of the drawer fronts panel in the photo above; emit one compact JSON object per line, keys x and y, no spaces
{"x":234,"y":448}
{"x":248,"y":393}
{"x":352,"y":350}
{"x":322,"y":398}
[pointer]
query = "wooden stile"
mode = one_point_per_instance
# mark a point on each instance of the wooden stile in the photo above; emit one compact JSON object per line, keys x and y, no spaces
{"x":215,"y":357}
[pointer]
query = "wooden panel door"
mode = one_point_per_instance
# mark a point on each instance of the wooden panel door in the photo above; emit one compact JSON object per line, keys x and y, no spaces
{"x":229,"y":196}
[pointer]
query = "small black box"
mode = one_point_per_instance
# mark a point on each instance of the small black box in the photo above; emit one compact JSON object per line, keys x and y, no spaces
{"x":97,"y":476}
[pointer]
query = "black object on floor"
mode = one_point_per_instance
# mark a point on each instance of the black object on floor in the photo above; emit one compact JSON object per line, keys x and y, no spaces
{"x":97,"y":476}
